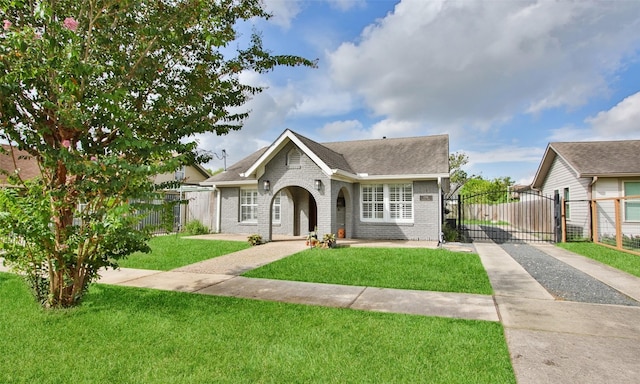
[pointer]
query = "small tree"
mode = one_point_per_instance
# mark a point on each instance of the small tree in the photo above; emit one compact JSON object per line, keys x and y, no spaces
{"x":104,"y":95}
{"x":457,"y":176}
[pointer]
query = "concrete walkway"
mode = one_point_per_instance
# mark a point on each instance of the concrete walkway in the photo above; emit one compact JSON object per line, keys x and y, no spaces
{"x":565,"y":342}
{"x":220,"y":276}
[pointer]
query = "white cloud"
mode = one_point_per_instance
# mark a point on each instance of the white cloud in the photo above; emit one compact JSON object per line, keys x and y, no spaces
{"x":282,"y":11}
{"x":321,"y":99}
{"x":478,"y":63}
{"x":621,"y":120}
{"x":340,"y":129}
{"x":345,"y":5}
{"x":505,"y":154}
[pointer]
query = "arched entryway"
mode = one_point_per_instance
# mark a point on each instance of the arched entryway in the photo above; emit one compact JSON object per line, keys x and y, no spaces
{"x":342,"y":217}
{"x":294,"y":211}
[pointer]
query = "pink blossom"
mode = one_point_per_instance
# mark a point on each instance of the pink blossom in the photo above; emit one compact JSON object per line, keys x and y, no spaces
{"x":66,"y":143}
{"x":70,"y":23}
{"x":93,"y":158}
{"x":7,"y":25}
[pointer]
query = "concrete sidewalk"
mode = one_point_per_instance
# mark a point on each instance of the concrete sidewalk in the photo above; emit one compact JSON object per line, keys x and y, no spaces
{"x":220,"y":276}
{"x":564,"y":342}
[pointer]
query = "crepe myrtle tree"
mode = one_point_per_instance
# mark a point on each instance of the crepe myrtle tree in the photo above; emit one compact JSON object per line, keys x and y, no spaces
{"x":104,"y":95}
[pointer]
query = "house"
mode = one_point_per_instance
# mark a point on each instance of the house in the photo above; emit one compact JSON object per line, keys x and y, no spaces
{"x":373,"y":189}
{"x":582,"y":171}
{"x":14,"y":161}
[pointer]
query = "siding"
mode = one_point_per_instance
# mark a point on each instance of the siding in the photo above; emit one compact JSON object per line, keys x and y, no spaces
{"x":561,"y":176}
{"x":607,"y":188}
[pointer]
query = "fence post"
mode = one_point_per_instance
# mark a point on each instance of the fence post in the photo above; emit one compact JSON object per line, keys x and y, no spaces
{"x":459,"y":223}
{"x":557,"y":217}
{"x":618,"y":224}
{"x":594,"y":221}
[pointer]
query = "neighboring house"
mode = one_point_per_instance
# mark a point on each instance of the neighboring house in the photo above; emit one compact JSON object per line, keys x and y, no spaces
{"x":18,"y":162}
{"x":191,"y":175}
{"x":373,"y":189}
{"x":190,"y":178}
{"x":581,"y":171}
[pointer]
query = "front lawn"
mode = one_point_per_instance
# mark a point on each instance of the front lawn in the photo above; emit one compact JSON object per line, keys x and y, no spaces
{"x":173,"y":251}
{"x":621,"y":260}
{"x":403,"y":268}
{"x":131,"y":335}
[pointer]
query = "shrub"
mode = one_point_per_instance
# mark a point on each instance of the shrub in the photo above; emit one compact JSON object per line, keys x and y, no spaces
{"x":195,"y":227}
{"x":255,"y":239}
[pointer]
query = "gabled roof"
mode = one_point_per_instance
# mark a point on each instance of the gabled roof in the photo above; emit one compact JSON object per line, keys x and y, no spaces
{"x":412,"y":158}
{"x":593,"y":158}
{"x":234,"y":172}
{"x":13,"y":160}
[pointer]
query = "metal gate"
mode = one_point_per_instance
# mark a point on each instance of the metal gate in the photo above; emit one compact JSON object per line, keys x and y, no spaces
{"x":506,"y":217}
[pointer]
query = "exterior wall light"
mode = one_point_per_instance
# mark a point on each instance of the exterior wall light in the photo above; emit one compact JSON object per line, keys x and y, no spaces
{"x":318,"y":184}
{"x":266,"y":185}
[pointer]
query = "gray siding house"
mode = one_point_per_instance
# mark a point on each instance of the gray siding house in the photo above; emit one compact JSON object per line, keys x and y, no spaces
{"x":582,"y":171}
{"x":370,"y":189}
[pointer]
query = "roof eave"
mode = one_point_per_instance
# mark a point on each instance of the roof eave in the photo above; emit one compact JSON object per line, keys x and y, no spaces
{"x":233,"y":183}
{"x":619,"y":174}
{"x":422,"y":176}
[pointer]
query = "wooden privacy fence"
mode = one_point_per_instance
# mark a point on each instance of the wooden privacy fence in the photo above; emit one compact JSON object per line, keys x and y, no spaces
{"x":533,"y":216}
{"x":616,"y":223}
{"x":527,"y":217}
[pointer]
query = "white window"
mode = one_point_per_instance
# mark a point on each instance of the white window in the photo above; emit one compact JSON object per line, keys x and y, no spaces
{"x":632,"y":207}
{"x":567,"y":206}
{"x":180,"y":173}
{"x":387,"y":202}
{"x":373,"y":202}
{"x":276,"y":209}
{"x":249,"y":205}
{"x":401,"y":201}
{"x":293,"y":158}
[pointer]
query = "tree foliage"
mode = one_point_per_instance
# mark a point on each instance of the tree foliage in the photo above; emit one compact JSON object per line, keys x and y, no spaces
{"x":457,"y":176}
{"x":493,"y":191}
{"x":105,"y":94}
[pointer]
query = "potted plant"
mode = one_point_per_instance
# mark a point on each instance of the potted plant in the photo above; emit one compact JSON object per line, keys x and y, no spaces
{"x":329,"y":239}
{"x":312,"y":238}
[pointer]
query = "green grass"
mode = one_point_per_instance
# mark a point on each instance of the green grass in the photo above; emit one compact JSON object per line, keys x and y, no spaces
{"x":617,"y":259}
{"x":131,"y":335}
{"x":403,"y":268}
{"x":171,"y":251}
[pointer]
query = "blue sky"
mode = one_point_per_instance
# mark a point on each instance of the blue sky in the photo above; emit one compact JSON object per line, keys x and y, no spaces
{"x":502,"y":78}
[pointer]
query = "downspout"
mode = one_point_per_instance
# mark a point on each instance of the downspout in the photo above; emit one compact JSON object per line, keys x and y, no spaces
{"x":594,"y":180}
{"x":440,"y":210}
{"x":218,"y":198}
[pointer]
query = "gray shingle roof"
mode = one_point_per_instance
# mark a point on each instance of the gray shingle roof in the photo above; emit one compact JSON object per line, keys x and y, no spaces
{"x":401,"y":156}
{"x":233,"y":172}
{"x":424,"y":155}
{"x":601,"y":158}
